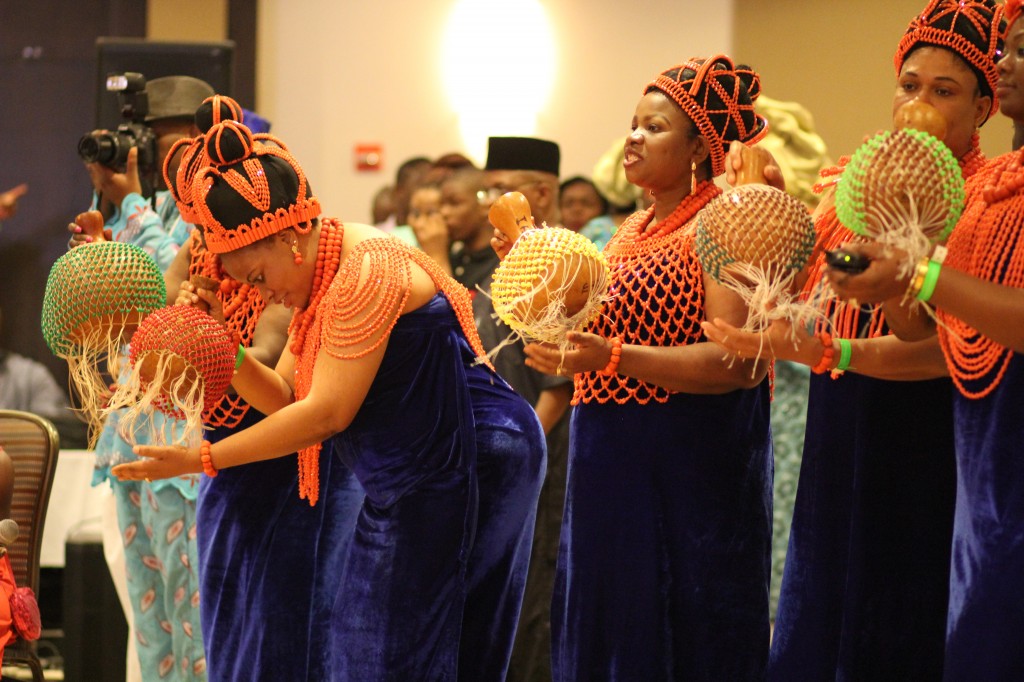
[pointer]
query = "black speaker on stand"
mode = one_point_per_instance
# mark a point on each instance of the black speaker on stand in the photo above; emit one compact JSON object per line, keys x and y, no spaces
{"x":95,"y":630}
{"x":212,"y":62}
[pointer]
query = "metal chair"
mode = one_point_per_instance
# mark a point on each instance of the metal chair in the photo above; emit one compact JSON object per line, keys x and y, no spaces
{"x":32,"y":444}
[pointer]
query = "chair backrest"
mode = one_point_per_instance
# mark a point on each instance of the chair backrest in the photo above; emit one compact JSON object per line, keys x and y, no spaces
{"x":32,"y":444}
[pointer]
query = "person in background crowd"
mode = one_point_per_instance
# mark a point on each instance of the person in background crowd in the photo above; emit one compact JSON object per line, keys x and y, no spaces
{"x":580,"y":202}
{"x":530,"y":166}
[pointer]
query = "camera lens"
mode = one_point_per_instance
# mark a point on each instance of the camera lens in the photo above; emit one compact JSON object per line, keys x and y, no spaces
{"x":97,"y":148}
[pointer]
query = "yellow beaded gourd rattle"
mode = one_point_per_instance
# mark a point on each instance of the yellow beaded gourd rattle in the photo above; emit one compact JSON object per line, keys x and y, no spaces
{"x":552,"y":281}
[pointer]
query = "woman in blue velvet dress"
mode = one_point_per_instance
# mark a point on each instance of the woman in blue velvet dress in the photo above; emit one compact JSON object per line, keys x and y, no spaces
{"x":382,"y":375}
{"x":977,"y":295}
{"x":664,"y":562}
{"x":866,"y":584}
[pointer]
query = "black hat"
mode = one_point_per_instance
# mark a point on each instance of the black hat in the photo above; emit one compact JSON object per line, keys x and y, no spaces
{"x":176,"y":97}
{"x":522,"y":153}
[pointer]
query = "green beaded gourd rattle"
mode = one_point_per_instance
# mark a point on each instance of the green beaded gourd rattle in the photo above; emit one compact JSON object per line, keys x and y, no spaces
{"x":552,"y":281}
{"x":904,"y":188}
{"x":96,"y":296}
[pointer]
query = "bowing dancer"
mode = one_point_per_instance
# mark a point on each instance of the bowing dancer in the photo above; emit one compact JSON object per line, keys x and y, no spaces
{"x":866,"y":583}
{"x":266,"y":559}
{"x":664,"y":560}
{"x":383,"y":366}
{"x":976,"y":293}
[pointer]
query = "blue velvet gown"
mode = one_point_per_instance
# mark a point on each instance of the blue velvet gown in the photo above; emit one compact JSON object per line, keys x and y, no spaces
{"x":664,"y":561}
{"x":866,"y":581}
{"x":269,"y":564}
{"x":985,"y":630}
{"x":451,"y":460}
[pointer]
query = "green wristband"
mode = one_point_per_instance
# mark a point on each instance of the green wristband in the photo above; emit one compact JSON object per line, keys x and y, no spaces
{"x":239,"y":356}
{"x":928,"y":286}
{"x":845,"y":353}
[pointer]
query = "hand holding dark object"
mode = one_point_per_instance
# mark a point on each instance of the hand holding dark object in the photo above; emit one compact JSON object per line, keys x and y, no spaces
{"x":880,"y":281}
{"x":847,"y":261}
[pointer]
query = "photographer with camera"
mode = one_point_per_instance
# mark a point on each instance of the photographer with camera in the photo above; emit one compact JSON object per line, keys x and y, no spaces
{"x":125,"y":165}
{"x":151,"y":535}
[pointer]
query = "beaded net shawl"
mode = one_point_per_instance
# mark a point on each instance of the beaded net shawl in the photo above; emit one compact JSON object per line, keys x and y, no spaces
{"x":988,"y":243}
{"x":354,"y":306}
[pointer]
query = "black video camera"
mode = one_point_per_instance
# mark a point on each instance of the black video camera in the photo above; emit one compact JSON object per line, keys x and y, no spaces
{"x":111,"y":148}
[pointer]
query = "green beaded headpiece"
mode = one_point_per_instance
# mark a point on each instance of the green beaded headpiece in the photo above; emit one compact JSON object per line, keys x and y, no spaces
{"x":902,"y":188}
{"x":96,"y":294}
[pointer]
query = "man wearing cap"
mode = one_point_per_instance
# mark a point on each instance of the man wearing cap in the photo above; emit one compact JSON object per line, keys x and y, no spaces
{"x":152,"y":536}
{"x":530,"y":166}
{"x":150,"y":223}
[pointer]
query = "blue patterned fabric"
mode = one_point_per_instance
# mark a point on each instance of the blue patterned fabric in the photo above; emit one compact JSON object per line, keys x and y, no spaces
{"x":865,"y":586}
{"x":664,"y":562}
{"x":986,"y":602}
{"x":268,"y":565}
{"x":451,"y":461}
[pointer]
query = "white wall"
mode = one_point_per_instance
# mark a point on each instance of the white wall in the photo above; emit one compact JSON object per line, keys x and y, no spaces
{"x":334,"y":73}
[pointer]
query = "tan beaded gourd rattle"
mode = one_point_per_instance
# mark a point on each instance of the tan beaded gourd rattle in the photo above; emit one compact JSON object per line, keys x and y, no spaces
{"x":182,"y":362}
{"x":552,"y":281}
{"x":96,"y":296}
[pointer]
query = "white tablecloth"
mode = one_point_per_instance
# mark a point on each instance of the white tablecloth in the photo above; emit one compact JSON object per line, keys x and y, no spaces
{"x":74,"y":504}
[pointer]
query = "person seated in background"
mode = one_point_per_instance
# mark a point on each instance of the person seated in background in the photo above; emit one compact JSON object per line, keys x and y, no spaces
{"x":409,"y":176}
{"x":383,"y":206}
{"x":427,"y":224}
{"x":27,"y":385}
{"x":580,"y":202}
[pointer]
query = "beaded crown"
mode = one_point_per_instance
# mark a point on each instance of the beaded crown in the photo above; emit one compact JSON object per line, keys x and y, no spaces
{"x":718,"y":96}
{"x":251,"y":190}
{"x":212,"y":111}
{"x":971,"y":29}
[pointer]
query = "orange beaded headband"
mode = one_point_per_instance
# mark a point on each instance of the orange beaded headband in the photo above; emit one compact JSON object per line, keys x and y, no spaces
{"x":971,"y":29}
{"x":257,"y":190}
{"x":1012,"y":10}
{"x":718,"y":97}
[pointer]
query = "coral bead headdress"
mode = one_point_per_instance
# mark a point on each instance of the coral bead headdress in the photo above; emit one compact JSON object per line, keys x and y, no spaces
{"x":718,"y":96}
{"x":249,"y":191}
{"x":552,"y":281}
{"x":972,"y":29}
{"x":182,"y":361}
{"x":96,"y":296}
